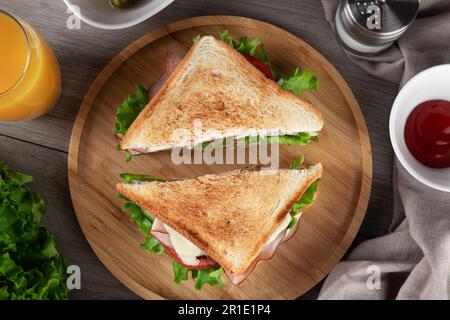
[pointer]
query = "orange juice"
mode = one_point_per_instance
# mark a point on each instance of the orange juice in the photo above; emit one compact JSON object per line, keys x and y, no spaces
{"x":30,"y":80}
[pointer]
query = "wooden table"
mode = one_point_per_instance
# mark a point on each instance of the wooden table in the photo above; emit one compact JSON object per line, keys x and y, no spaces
{"x":39,"y":147}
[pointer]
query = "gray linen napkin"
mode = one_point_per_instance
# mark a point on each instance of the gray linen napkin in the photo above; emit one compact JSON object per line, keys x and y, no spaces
{"x":413,"y":260}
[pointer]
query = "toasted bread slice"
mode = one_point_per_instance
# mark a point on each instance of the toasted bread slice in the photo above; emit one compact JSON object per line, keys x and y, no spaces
{"x":216,"y":85}
{"x":230,"y":216}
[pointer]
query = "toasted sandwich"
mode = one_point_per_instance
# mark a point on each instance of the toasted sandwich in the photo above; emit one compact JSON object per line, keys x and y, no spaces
{"x":232,"y":96}
{"x":224,"y":222}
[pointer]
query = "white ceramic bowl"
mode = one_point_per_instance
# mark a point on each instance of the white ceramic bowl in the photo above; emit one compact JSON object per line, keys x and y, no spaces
{"x":100,"y":14}
{"x":433,"y":83}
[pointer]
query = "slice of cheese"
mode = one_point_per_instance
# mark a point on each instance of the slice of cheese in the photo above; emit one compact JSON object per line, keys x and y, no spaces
{"x":188,"y":252}
{"x":281,"y":227}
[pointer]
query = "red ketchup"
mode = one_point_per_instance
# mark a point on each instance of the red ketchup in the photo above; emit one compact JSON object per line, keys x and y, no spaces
{"x":427,"y":133}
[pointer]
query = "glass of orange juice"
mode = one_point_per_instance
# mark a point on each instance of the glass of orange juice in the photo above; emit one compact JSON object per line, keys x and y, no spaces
{"x":30,"y":79}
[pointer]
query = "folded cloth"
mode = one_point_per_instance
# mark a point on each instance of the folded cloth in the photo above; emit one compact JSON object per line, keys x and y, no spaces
{"x":413,"y":260}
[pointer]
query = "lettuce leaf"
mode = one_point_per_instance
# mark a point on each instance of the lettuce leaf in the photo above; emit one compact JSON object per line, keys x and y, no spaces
{"x":152,"y":244}
{"x":130,"y":177}
{"x":207,"y":276}
{"x":297,"y":162}
{"x":144,"y":222}
{"x":307,"y":197}
{"x":128,"y":155}
{"x":180,"y":272}
{"x":143,"y":219}
{"x":302,"y":138}
{"x":252,"y":47}
{"x":299,"y":81}
{"x":306,"y":200}
{"x":30,"y":265}
{"x":130,"y":109}
{"x":211,"y":276}
{"x":128,"y":112}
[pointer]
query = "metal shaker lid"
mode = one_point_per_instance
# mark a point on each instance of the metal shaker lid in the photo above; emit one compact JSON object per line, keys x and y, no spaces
{"x":385,"y":19}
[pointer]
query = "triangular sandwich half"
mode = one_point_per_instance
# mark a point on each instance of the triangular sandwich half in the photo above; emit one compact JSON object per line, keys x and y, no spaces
{"x":216,"y":85}
{"x":231,"y":218}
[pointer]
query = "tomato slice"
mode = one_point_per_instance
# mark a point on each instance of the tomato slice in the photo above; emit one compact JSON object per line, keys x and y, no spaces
{"x":260,"y":65}
{"x":205,"y":262}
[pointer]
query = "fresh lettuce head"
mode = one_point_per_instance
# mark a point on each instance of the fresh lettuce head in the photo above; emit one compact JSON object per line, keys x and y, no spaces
{"x":31,"y":268}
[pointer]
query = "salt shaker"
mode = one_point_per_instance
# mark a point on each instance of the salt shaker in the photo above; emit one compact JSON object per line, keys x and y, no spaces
{"x":368,"y":27}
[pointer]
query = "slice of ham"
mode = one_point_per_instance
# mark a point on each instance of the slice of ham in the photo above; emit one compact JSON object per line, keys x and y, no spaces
{"x":266,"y":253}
{"x":159,"y":232}
{"x":133,"y":152}
{"x":172,"y":61}
{"x":291,"y":232}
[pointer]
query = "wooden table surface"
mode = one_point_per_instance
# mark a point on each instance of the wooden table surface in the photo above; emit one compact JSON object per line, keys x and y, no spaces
{"x":39,"y":147}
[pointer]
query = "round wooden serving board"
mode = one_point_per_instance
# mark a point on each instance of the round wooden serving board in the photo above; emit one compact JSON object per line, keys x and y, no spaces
{"x":326,"y":229}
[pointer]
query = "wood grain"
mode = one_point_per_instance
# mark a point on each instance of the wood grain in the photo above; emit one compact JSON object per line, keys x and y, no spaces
{"x":325,"y":232}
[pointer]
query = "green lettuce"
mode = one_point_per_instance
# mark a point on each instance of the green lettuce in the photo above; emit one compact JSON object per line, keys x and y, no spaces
{"x":307,"y":197}
{"x":211,"y":276}
{"x":143,"y":219}
{"x":299,"y":81}
{"x":130,"y":177}
{"x":297,"y":162}
{"x":130,"y":109}
{"x":302,"y":138}
{"x":30,"y":265}
{"x":128,"y":112}
{"x":248,"y":46}
{"x":144,"y":222}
